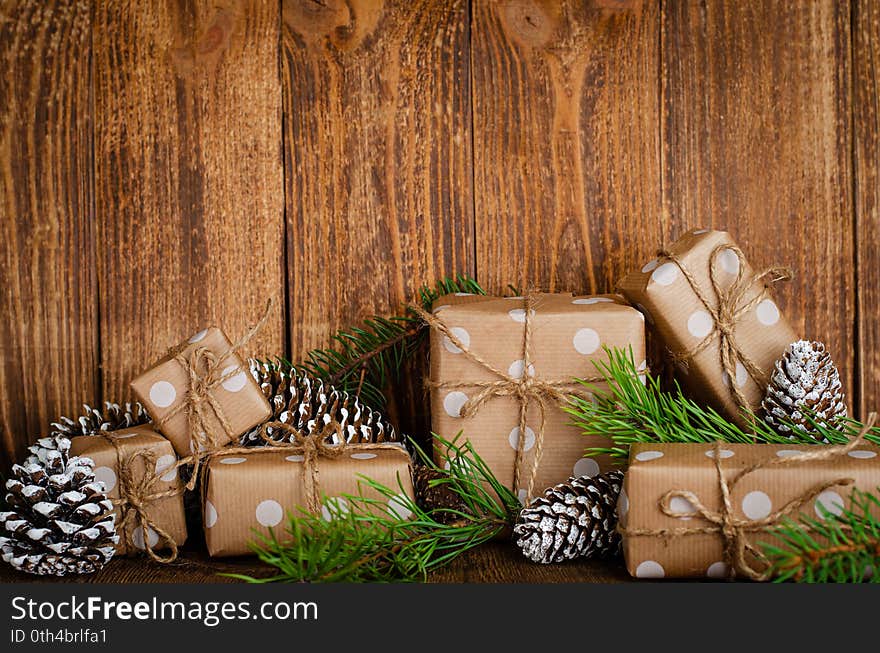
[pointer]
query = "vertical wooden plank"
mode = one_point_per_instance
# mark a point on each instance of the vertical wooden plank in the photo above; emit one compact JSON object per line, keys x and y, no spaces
{"x":566,"y":141}
{"x":756,"y":140}
{"x":377,"y":147}
{"x":48,"y":333}
{"x":189,"y":177}
{"x":866,"y":133}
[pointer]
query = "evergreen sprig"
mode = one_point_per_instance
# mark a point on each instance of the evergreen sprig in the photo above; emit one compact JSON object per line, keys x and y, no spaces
{"x":631,"y":411}
{"x":364,"y":359}
{"x":371,"y":543}
{"x":838,"y":548}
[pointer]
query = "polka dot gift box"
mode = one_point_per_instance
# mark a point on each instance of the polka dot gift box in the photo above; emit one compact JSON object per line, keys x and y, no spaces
{"x":247,"y":492}
{"x":704,"y":301}
{"x":670,"y":508}
{"x":567,"y":335}
{"x":108,"y":451}
{"x":164,"y":388}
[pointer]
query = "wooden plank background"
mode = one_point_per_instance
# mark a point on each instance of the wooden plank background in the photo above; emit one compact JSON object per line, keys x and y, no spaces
{"x":165,"y":165}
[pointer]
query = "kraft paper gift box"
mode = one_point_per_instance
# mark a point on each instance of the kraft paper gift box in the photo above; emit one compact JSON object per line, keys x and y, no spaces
{"x":163,"y":390}
{"x":249,"y":493}
{"x":685,"y":325}
{"x":659,"y":474}
{"x":136,"y":448}
{"x":567,"y":337}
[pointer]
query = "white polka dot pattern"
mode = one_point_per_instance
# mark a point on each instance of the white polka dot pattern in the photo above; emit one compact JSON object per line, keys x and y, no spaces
{"x":463,"y":337}
{"x":650,"y":569}
{"x":519,"y":315}
{"x":767,"y":312}
{"x":622,"y":504}
{"x":756,"y":505}
{"x":593,"y":300}
{"x":717,"y":570}
{"x":862,"y":454}
{"x":831,"y":501}
{"x":334,"y":508}
{"x":586,"y":341}
{"x":723,"y":453}
{"x":107,"y":476}
{"x":363,"y":456}
{"x":232,"y":460}
{"x":296,"y":458}
{"x":516,"y":369}
{"x":699,"y":324}
{"x":137,"y":537}
{"x":785,"y":453}
{"x":521,"y":495}
{"x":453,"y":402}
{"x":162,"y":394}
{"x":269,"y":513}
{"x":166,"y":462}
{"x":586,"y":467}
{"x":198,"y":337}
{"x":650,"y":266}
{"x":729,"y":261}
{"x":666,"y":274}
{"x":529,"y":439}
{"x":398,"y":506}
{"x":681,"y":506}
{"x":235,"y":382}
{"x":645,"y":456}
{"x":210,"y":515}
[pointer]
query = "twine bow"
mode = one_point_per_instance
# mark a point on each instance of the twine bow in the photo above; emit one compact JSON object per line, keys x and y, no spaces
{"x":136,"y":493}
{"x":526,"y":388}
{"x":730,"y":305}
{"x":205,"y":371}
{"x":735,"y":530}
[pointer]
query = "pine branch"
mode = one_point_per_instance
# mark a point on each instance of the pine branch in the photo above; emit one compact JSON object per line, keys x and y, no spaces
{"x":629,"y":411}
{"x":365,"y":359}
{"x":838,"y":548}
{"x":370,"y":543}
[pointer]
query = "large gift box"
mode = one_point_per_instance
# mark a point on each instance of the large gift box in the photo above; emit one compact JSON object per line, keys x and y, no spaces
{"x":671,"y":510}
{"x":139,"y":466}
{"x":202,"y":393}
{"x":715,"y":316}
{"x":478,"y":351}
{"x":247,"y":493}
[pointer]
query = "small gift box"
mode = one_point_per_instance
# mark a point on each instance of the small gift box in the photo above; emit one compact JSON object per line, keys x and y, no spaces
{"x":202,"y":395}
{"x":498,"y":362}
{"x":675,"y":524}
{"x":139,"y":470}
{"x":249,"y":492}
{"x":716,"y":317}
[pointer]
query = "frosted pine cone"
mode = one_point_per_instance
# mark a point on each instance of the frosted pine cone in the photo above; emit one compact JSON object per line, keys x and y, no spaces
{"x":59,"y":520}
{"x":572,"y":520}
{"x":113,"y":417}
{"x":804,"y":383}
{"x":306,"y":403}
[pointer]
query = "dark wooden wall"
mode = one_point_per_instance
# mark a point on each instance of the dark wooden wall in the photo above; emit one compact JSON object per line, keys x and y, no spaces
{"x":168,"y":164}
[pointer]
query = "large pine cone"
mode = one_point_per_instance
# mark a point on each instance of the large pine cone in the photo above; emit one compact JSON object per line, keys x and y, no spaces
{"x":60,"y":521}
{"x":306,"y":403}
{"x":572,"y":520}
{"x":97,"y":422}
{"x":804,"y":382}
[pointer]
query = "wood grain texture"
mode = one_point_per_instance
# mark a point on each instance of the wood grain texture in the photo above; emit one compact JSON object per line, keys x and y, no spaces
{"x":49,"y":328}
{"x":496,"y":562}
{"x":756,"y":140}
{"x":377,"y":154}
{"x":866,"y":135}
{"x":566,"y":149}
{"x":189,"y":176}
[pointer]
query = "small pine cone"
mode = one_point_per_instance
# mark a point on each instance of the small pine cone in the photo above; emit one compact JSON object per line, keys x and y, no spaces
{"x":59,"y":519}
{"x":438,"y":495}
{"x":572,"y":520}
{"x":97,"y":422}
{"x":306,"y":403}
{"x":804,"y":383}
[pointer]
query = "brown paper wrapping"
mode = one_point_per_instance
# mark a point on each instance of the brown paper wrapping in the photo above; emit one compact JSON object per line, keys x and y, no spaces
{"x":248,"y":492}
{"x":656,"y":469}
{"x":568,"y":335}
{"x":166,"y":512}
{"x":663,"y":294}
{"x":164,"y":386}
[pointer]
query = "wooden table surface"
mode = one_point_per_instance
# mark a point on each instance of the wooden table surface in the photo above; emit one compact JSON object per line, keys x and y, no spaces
{"x":497,"y":562}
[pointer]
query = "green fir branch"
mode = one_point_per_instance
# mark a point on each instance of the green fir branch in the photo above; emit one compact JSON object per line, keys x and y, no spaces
{"x":838,"y":548}
{"x":631,"y":411}
{"x":365,"y":359}
{"x":370,"y":543}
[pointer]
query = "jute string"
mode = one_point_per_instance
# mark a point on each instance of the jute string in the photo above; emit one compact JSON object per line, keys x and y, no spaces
{"x":526,"y":389}
{"x":203,"y":368}
{"x":735,"y":530}
{"x":730,"y":305}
